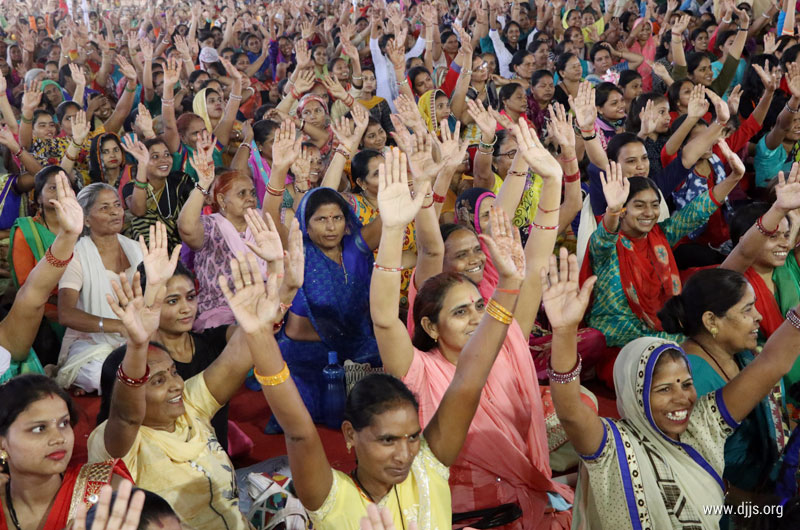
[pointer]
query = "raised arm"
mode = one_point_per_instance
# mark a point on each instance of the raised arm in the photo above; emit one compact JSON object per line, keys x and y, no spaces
{"x":397,"y":210}
{"x":700,"y":145}
{"x":349,"y":136}
{"x":125,"y":103}
{"x":190,"y":226}
{"x":563,"y":133}
{"x":171,"y":77}
{"x":137,"y":200}
{"x":696,"y":109}
{"x":482,"y":173}
{"x":16,"y":332}
{"x":286,"y":148}
{"x":223,"y":129}
{"x":775,"y":137}
{"x":586,"y":115}
{"x":448,"y":428}
{"x":30,"y":101}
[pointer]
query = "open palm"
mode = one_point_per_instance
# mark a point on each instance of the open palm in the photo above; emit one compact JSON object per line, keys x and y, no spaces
{"x":253,"y":306}
{"x":139,"y":319}
{"x":787,"y":192}
{"x":158,"y":265}
{"x":615,"y":186}
{"x":68,"y":211}
{"x":505,"y":246}
{"x":268,"y":241}
{"x":395,"y":203}
{"x":564,"y":300}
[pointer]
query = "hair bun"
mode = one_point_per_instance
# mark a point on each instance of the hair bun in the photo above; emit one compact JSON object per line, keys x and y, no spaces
{"x":673,"y":315}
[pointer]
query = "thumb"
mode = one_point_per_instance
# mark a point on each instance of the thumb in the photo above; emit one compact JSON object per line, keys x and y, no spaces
{"x":420,"y":197}
{"x":586,"y":290}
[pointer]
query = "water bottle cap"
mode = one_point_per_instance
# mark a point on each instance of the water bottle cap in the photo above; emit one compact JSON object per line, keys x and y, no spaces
{"x":333,"y":358}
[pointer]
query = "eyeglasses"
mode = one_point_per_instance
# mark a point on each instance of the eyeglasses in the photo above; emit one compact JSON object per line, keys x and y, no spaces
{"x":510,"y":154}
{"x":484,"y":66}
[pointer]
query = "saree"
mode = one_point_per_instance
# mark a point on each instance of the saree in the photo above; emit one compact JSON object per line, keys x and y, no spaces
{"x":648,"y":273}
{"x":427,"y":108}
{"x":509,"y":421}
{"x":766,"y":304}
{"x":81,"y":485}
{"x":37,"y":236}
{"x":662,"y":482}
{"x":335,"y":299}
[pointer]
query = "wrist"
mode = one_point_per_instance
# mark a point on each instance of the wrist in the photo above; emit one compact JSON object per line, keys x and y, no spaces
{"x":509,"y":282}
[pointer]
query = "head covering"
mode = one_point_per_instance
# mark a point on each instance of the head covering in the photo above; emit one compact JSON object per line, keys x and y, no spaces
{"x":207,"y":56}
{"x":664,"y":479}
{"x":201,"y":109}
{"x":32,"y":74}
{"x":305,"y":100}
{"x":427,"y":107}
{"x":48,"y":82}
{"x":468,"y":207}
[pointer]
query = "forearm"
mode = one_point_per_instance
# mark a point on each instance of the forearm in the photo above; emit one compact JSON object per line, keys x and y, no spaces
{"x":721,"y":191}
{"x":8,"y":114}
{"x":385,"y":286}
{"x":676,"y":140}
{"x":138,"y":198}
{"x":190,"y":227}
{"x":514,"y":184}
{"x":693,"y":150}
{"x":147,"y":81}
{"x":123,"y":108}
{"x":223,"y":129}
{"x":128,"y":403}
{"x":760,"y":112}
{"x":79,"y":320}
{"x":333,"y":175}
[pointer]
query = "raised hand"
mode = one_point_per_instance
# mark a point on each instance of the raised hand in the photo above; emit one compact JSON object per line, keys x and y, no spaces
{"x":304,"y":81}
{"x":615,"y":187}
{"x":561,"y":126}
{"x":147,"y":49}
{"x":122,"y":516}
{"x":770,"y":47}
{"x":505,"y":246}
{"x":648,"y":118}
{"x":451,"y":148}
{"x":80,"y":127}
{"x":395,"y":203}
{"x":401,"y":135}
{"x":793,"y":78}
{"x":334,"y":87}
{"x":698,"y":104}
{"x":7,"y":139}
{"x":32,"y":96}
{"x":787,"y":192}
{"x":380,"y":519}
{"x":267,"y":239}
{"x":564,"y":300}
{"x":768,"y":79}
{"x":77,"y":74}
{"x":138,"y":151}
{"x":485,"y":121}
{"x":348,"y":136}
{"x":737,"y":166}
{"x":733,"y":100}
{"x":172,"y":73}
{"x":286,"y":147}
{"x":723,"y":112}
{"x":504,"y":121}
{"x":127,"y":69}
{"x":144,"y":121}
{"x":139,"y":319}
{"x":584,"y":106}
{"x":395,"y":52}
{"x":294,"y":268}
{"x":158,"y":264}
{"x":536,"y":155}
{"x":420,"y":161}
{"x":302,"y":54}
{"x":202,"y":160}
{"x":68,"y":211}
{"x":407,"y":111}
{"x":301,"y":170}
{"x":254,"y":306}
{"x":679,"y":27}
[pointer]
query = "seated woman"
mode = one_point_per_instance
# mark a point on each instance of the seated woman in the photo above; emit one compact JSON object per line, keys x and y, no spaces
{"x":631,"y":254}
{"x":16,"y":332}
{"x":102,"y":253}
{"x":409,"y":474}
{"x":377,"y":106}
{"x":665,"y":456}
{"x":716,"y":311}
{"x":44,"y":490}
{"x":257,"y":156}
{"x":156,"y":193}
{"x":511,"y":422}
{"x":107,"y":162}
{"x":218,"y":237}
{"x":158,"y":424}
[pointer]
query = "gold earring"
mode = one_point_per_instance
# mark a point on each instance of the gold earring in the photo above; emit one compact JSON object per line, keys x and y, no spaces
{"x":349,"y":447}
{"x":3,"y":458}
{"x":714,"y":331}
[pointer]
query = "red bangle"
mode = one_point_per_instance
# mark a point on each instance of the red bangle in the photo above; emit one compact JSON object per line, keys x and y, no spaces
{"x":129,"y":381}
{"x":294,"y":94}
{"x":274,"y":191}
{"x":438,"y":198}
{"x":568,"y":160}
{"x":763,"y":230}
{"x":55,"y":262}
{"x":572,"y":178}
{"x":16,"y":155}
{"x":543,"y":227}
{"x":507,"y":291}
{"x":548,"y":211}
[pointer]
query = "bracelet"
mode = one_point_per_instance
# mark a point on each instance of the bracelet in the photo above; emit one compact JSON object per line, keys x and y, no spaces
{"x":763,"y":230}
{"x":740,"y":28}
{"x":349,"y":102}
{"x":139,"y":184}
{"x":128,"y":89}
{"x":467,"y":72}
{"x":275,"y":192}
{"x":101,"y":326}
{"x":615,"y":212}
{"x":589,"y":139}
{"x":55,"y":262}
{"x":16,"y":155}
{"x":544,"y":227}
{"x":342,"y":152}
{"x":294,"y":94}
{"x":790,"y":109}
{"x":386,"y":269}
{"x":167,"y":101}
{"x":76,"y":144}
{"x":73,"y":159}
{"x":424,"y":206}
{"x":516,"y":173}
{"x":298,"y":190}
{"x":507,"y":291}
{"x":482,"y":152}
{"x":129,"y":381}
{"x":727,"y":21}
{"x":201,"y":189}
{"x":548,"y":211}
{"x":568,"y":160}
{"x":23,"y":119}
{"x":235,"y":97}
{"x":564,"y":377}
{"x":438,"y":198}
{"x":572,"y":178}
{"x":498,"y":312}
{"x":793,"y":318}
{"x":284,"y":307}
{"x":481,"y":143}
{"x":273,"y":380}
{"x":357,"y":78}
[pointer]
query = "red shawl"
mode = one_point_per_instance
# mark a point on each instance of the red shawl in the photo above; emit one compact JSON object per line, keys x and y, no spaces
{"x":648,"y":273}
{"x":80,"y":483}
{"x":765,"y":304}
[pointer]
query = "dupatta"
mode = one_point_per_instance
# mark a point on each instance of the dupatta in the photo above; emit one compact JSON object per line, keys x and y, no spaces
{"x":787,"y":284}
{"x":766,"y":304}
{"x":36,"y":235}
{"x":467,"y":210}
{"x":648,"y":273}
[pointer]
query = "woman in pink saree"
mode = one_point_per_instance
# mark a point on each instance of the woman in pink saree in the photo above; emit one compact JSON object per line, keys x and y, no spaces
{"x":645,"y":44}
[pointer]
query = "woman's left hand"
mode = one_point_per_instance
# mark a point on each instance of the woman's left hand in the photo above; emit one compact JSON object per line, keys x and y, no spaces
{"x":505,"y":246}
{"x":397,"y":207}
{"x":254,"y":307}
{"x":127,"y":69}
{"x":381,"y":519}
{"x":158,"y":265}
{"x":80,"y":127}
{"x":561,"y":126}
{"x":68,"y":211}
{"x":334,"y":87}
{"x":536,"y":155}
{"x":564,"y":300}
{"x":736,"y":164}
{"x":122,"y":516}
{"x":137,"y":150}
{"x":268,"y":241}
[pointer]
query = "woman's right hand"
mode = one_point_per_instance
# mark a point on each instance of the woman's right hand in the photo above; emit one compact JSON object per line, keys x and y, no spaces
{"x":158,"y":265}
{"x":397,"y":207}
{"x":138,"y":151}
{"x":139,"y":320}
{"x":584,"y":106}
{"x":485,"y":122}
{"x":787,"y":192}
{"x":698,"y":104}
{"x":172,"y":73}
{"x":268,"y":244}
{"x":564,"y":300}
{"x":505,"y":246}
{"x":32,"y":96}
{"x":615,"y":187}
{"x":344,"y":131}
{"x":286,"y":147}
{"x":68,"y":211}
{"x":122,"y":516}
{"x":80,"y":127}
{"x":254,"y":306}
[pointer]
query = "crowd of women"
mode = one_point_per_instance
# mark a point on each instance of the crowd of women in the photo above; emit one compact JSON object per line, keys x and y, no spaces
{"x":473,"y":206}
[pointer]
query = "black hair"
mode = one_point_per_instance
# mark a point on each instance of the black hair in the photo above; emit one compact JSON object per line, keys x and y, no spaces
{"x":603,"y":92}
{"x":374,"y":395}
{"x":262,"y":129}
{"x":61,"y":110}
{"x":536,"y":44}
{"x":360,"y":165}
{"x":674,"y":94}
{"x":499,"y":137}
{"x":18,"y":393}
{"x":446,"y":34}
{"x":321,"y":197}
{"x":597,"y":48}
{"x":180,"y":270}
{"x":41,"y":178}
{"x":448,"y":229}
{"x":561,"y":62}
{"x":722,"y":36}
{"x":790,"y":55}
{"x":38,"y":113}
{"x":414,"y":73}
{"x":696,"y":33}
{"x":633,"y":122}
{"x":429,"y":303}
{"x":744,"y":218}
{"x":693,"y":61}
{"x":538,"y":75}
{"x":715,"y":290}
{"x":506,"y":92}
{"x":626,"y":77}
{"x":663,"y":46}
{"x":640,"y":184}
{"x":155,"y":507}
{"x":204,"y":34}
{"x":517,"y":59}
{"x":195,"y":74}
{"x":620,"y":140}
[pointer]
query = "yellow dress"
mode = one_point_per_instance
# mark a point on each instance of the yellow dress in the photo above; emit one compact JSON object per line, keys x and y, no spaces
{"x":424,"y":498}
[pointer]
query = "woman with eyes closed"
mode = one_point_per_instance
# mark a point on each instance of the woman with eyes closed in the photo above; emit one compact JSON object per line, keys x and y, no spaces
{"x":156,"y":194}
{"x":666,"y":455}
{"x":716,"y":312}
{"x":36,"y":444}
{"x":446,"y":311}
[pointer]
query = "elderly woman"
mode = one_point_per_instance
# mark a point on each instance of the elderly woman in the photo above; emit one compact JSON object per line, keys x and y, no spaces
{"x":159,"y":424}
{"x":100,"y":255}
{"x":665,"y":456}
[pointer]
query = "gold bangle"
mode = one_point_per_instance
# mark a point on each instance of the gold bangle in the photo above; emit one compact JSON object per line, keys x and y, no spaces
{"x":273,"y":380}
{"x":498,"y":312}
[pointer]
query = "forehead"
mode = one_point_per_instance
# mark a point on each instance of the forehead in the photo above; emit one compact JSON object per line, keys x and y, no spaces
{"x":459,"y":294}
{"x":179,"y":284}
{"x":461,"y":240}
{"x":647,"y":195}
{"x":105,"y":197}
{"x":47,"y":408}
{"x":327,"y":210}
{"x":632,"y":149}
{"x":398,"y":421}
{"x":158,"y":360}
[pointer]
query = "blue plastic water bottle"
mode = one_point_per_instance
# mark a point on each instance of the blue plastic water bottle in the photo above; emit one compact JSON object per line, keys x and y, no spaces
{"x":334,"y":398}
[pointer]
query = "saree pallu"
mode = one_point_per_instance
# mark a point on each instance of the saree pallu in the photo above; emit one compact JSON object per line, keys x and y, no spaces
{"x":765,"y":304}
{"x":81,"y":485}
{"x":36,"y":235}
{"x":30,"y":365}
{"x":787,"y":296}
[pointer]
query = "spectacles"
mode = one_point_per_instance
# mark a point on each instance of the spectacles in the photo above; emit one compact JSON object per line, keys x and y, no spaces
{"x":510,"y":154}
{"x":484,"y":66}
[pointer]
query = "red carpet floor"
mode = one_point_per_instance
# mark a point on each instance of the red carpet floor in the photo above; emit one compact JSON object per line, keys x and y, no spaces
{"x":250,"y":411}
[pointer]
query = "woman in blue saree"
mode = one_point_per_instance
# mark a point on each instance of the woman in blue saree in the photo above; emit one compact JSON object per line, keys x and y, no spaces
{"x":716,"y":311}
{"x":331,"y":310}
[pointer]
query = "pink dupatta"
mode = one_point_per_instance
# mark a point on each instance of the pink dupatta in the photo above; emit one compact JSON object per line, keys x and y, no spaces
{"x":505,"y":457}
{"x":648,"y":51}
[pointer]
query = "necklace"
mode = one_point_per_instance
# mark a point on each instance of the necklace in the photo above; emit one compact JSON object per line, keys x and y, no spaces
{"x":713,"y":359}
{"x":10,"y":504}
{"x":363,"y":490}
{"x":158,"y":206}
{"x":344,"y":269}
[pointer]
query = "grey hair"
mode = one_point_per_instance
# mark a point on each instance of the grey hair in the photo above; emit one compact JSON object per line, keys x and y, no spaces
{"x":88,"y":196}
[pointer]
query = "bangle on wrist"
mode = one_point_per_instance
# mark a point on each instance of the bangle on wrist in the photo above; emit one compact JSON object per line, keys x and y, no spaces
{"x":201,"y":189}
{"x":764,"y":231}
{"x":23,"y":119}
{"x":139,"y":184}
{"x":790,"y":109}
{"x":617,"y":211}
{"x":129,"y":89}
{"x":102,"y":329}
{"x":18,"y":153}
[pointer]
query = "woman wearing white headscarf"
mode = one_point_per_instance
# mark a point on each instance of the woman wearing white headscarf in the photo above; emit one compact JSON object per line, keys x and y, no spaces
{"x":665,"y":456}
